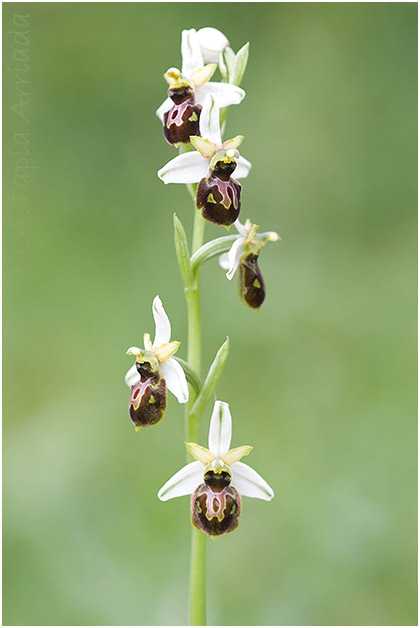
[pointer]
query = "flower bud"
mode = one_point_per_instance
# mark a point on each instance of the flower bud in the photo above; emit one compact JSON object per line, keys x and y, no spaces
{"x":251,"y":281}
{"x":218,"y":195}
{"x":148,"y":397}
{"x":214,"y":509}
{"x":182,"y":120}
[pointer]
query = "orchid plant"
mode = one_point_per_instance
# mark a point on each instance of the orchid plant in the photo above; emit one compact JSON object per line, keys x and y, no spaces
{"x":193,"y":117}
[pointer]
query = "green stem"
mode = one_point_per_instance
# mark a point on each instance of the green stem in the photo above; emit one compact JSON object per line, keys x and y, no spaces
{"x":197,"y":601}
{"x":198,"y":579}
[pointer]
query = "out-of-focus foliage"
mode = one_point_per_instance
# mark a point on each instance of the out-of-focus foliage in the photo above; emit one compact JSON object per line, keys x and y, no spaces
{"x":321,"y":382}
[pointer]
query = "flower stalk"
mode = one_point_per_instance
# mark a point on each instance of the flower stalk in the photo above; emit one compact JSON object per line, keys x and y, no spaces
{"x":197,"y":594}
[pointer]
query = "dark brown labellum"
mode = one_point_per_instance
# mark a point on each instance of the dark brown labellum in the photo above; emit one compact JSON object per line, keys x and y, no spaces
{"x":182,"y":120}
{"x":219,"y":196}
{"x":215,"y":512}
{"x":251,"y":281}
{"x":148,"y":397}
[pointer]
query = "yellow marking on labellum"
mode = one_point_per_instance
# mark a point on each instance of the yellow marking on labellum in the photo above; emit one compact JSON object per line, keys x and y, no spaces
{"x":137,"y":428}
{"x":193,"y":117}
{"x":200,"y":453}
{"x":152,"y":399}
{"x":236,"y":454}
{"x":256,"y":283}
{"x":210,"y":198}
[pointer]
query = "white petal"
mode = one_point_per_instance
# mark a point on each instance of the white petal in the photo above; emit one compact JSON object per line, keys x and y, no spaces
{"x":162,"y":324}
{"x":234,"y":255}
{"x":210,"y":121}
{"x":242,"y":169}
{"x":184,"y":482}
{"x":223,"y":261}
{"x":249,"y":483}
{"x":192,"y":58}
{"x":220,"y":433}
{"x":224,"y":93}
{"x":165,"y":106}
{"x":176,"y":381}
{"x":132,"y":376}
{"x":186,"y":168}
{"x":212,"y":43}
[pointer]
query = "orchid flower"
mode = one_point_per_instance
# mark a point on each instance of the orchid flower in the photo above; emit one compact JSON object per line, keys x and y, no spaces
{"x":244,"y":254}
{"x":155,"y":370}
{"x":198,"y":75}
{"x":249,"y":241}
{"x":217,"y":478}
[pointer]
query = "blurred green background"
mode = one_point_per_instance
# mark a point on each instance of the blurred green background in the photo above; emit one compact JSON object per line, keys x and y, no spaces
{"x":322,"y":382}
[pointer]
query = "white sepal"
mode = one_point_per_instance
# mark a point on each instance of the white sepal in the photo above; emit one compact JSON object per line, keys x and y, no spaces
{"x":249,"y":483}
{"x":186,"y":168}
{"x":176,"y":381}
{"x":220,"y":432}
{"x":162,"y":324}
{"x":132,"y":376}
{"x":242,"y":169}
{"x":192,"y":58}
{"x":183,"y":483}
{"x":224,"y":93}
